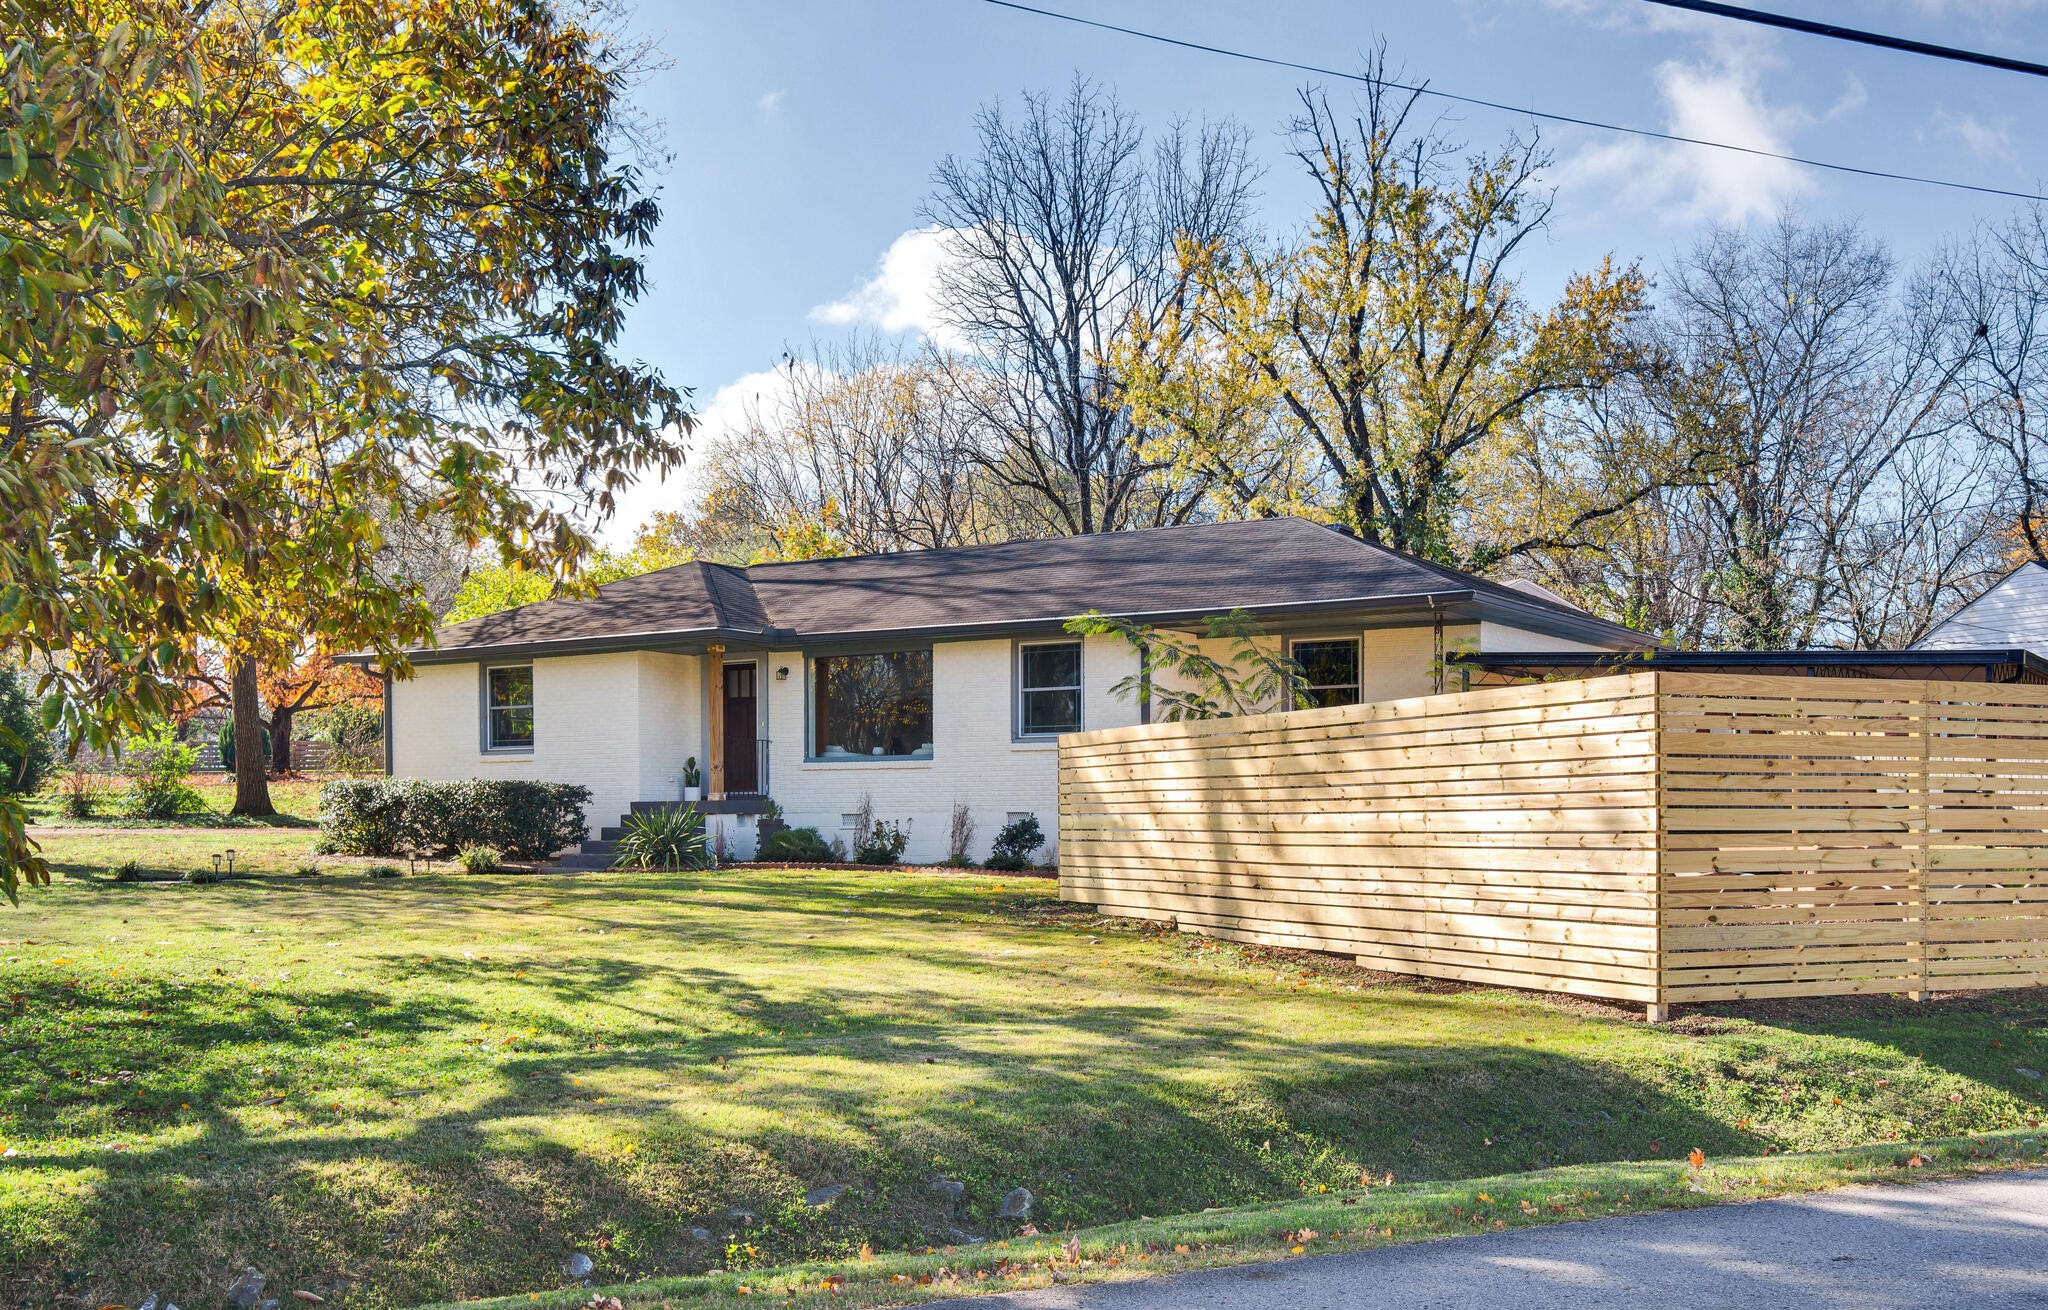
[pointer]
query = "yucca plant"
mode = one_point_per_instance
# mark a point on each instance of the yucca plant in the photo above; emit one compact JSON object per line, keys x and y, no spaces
{"x":671,"y":837}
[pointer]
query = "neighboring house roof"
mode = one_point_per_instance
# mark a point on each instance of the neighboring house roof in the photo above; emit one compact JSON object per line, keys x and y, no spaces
{"x":1541,"y":592}
{"x":2013,"y":613}
{"x":1280,"y":566}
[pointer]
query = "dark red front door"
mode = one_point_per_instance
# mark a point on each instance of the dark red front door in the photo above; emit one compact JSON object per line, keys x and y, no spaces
{"x":742,"y":760}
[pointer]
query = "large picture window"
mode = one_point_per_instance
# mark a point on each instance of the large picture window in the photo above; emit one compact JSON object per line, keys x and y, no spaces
{"x":872,"y":706}
{"x":508,"y":708}
{"x":1048,"y":688}
{"x":1329,"y":671}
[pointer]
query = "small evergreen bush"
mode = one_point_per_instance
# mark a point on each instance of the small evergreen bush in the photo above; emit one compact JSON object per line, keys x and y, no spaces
{"x":795,"y":846}
{"x":1014,"y":845}
{"x":25,"y":759}
{"x":884,"y":843}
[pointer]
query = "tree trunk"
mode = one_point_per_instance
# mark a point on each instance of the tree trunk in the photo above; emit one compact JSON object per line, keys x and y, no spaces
{"x":252,"y":783}
{"x":281,"y":739}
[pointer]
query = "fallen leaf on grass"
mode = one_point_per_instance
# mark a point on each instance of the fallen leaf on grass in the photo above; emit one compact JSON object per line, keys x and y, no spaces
{"x":1697,"y":1158}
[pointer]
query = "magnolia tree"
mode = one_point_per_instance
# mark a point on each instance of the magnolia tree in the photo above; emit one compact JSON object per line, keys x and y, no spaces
{"x":267,"y":270}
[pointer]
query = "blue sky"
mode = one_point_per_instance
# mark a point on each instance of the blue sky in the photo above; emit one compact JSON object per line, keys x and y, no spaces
{"x":803,"y":134}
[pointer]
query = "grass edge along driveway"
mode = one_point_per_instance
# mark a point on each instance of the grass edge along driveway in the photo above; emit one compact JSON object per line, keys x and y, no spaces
{"x":1320,"y":1225}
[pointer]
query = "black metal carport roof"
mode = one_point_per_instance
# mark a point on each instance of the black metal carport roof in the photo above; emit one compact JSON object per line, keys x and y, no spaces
{"x":2002,"y":664}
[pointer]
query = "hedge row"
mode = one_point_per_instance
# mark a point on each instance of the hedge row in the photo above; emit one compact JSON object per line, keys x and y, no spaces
{"x":401,"y":816}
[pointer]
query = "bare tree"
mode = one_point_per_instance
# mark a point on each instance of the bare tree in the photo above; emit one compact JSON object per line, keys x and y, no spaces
{"x":1996,"y":288}
{"x":1061,"y":235}
{"x":872,"y":450}
{"x":1828,"y":506}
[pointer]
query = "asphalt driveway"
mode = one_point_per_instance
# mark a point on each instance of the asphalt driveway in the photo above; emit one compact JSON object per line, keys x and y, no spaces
{"x":1979,"y":1243}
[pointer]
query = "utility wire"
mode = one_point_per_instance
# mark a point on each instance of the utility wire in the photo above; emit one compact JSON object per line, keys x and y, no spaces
{"x":1840,"y":33}
{"x":1424,"y":90}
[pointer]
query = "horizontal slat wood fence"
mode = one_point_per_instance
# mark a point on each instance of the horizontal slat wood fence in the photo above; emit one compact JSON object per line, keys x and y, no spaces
{"x":1655,"y":837}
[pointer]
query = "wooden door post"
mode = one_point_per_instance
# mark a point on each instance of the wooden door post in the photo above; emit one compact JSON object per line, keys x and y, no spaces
{"x":714,"y":700}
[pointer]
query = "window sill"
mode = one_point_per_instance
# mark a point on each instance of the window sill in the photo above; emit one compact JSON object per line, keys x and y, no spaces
{"x":507,"y":753}
{"x":1035,"y":743}
{"x":869,"y":763}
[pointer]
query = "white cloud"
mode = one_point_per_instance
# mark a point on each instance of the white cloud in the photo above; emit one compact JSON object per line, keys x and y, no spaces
{"x":725,"y":413}
{"x":771,"y":102}
{"x":901,"y":296}
{"x":1992,"y":141}
{"x":1716,"y":101}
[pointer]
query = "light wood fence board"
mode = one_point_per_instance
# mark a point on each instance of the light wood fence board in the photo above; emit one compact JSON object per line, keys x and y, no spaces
{"x":1646,"y":836}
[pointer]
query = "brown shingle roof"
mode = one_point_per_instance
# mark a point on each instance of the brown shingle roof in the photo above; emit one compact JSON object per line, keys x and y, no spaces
{"x":1182,"y":572}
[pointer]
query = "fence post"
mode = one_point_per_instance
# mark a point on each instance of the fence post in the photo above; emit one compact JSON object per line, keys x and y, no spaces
{"x":1920,"y":821}
{"x":1658,"y":1010}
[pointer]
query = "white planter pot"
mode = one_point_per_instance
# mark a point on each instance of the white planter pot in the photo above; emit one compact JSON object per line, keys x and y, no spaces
{"x":693,"y":794}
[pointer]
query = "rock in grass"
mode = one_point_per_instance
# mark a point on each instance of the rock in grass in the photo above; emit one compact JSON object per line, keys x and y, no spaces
{"x":246,"y":1292}
{"x":823,"y":1196}
{"x":740,"y":1214}
{"x":952,"y":1190}
{"x":1016,"y":1204}
{"x":578,"y":1265}
{"x":700,"y":1234}
{"x":2024,"y":1072}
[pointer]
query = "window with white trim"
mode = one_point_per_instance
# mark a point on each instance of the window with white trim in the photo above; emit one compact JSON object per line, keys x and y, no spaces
{"x":1329,"y":670}
{"x":508,"y":708}
{"x":1048,"y":688}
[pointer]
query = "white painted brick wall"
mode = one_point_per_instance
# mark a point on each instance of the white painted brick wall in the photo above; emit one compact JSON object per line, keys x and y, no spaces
{"x":618,"y":724}
{"x":975,"y":758}
{"x":622,"y":724}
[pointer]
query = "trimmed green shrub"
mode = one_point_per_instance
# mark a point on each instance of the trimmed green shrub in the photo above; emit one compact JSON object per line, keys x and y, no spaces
{"x":22,"y":767}
{"x":1013,"y":846}
{"x":479,"y":859}
{"x":796,"y":846}
{"x":523,"y":819}
{"x":126,"y":871}
{"x":671,"y":837}
{"x":384,"y":871}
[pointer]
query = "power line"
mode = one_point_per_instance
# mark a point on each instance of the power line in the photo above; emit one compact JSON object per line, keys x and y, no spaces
{"x":1569,"y":119}
{"x":1840,"y":33}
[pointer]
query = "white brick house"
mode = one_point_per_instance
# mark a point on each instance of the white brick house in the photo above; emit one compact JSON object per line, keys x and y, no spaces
{"x":920,"y":679}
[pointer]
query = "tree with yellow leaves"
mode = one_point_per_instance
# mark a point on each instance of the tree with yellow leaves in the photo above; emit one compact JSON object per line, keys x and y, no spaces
{"x":1364,"y":366}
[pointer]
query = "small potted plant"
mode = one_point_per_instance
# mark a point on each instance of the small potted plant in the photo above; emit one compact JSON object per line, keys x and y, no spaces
{"x":693,"y":782}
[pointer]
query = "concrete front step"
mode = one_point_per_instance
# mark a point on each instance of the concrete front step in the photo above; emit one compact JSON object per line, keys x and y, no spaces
{"x":582,"y":861}
{"x":604,"y":847}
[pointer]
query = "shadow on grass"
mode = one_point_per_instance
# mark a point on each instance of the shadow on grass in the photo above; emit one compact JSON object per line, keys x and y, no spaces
{"x":753,"y":1049}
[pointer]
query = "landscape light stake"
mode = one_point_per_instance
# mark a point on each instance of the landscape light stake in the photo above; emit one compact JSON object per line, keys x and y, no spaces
{"x":231,"y":861}
{"x":216,"y":864}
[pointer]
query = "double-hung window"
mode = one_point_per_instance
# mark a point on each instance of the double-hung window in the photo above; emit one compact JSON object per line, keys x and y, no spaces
{"x":508,"y":708}
{"x":1048,"y":688}
{"x":1329,"y":670}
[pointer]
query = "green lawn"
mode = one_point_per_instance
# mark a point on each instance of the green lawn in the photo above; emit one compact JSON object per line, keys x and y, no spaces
{"x":296,"y":799}
{"x":438,"y":1087}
